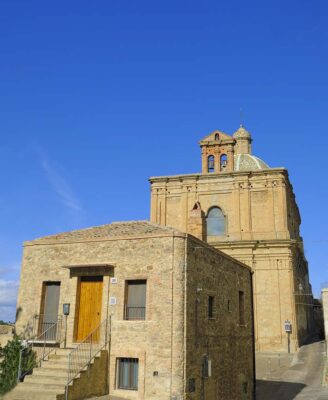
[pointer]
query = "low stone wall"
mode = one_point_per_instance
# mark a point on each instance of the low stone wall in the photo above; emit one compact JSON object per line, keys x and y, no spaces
{"x":6,"y":334}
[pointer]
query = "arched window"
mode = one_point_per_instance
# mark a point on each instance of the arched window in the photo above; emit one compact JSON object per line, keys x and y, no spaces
{"x":210,"y":164}
{"x":215,"y":222}
{"x":223,"y":161}
{"x":217,"y":137}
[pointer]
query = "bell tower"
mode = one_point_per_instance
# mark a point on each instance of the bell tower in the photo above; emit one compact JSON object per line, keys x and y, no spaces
{"x":217,"y":153}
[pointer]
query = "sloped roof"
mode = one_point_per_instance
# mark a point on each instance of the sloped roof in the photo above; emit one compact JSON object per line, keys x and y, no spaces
{"x":211,"y":137}
{"x":115,"y":229}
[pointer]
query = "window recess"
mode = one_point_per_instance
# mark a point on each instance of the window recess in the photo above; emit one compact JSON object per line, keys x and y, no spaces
{"x":135,"y":300}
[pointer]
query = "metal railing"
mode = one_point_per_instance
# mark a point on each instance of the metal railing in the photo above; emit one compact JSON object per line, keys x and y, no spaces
{"x":40,"y":345}
{"x":49,"y":330}
{"x":53,"y":334}
{"x":86,"y":351}
{"x":37,"y":324}
{"x":41,"y":323}
{"x":135,"y":313}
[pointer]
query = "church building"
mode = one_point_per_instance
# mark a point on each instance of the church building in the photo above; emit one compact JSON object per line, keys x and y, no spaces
{"x":247,"y":210}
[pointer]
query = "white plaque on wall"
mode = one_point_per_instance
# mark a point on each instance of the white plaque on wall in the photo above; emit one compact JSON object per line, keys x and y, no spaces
{"x":112,"y":301}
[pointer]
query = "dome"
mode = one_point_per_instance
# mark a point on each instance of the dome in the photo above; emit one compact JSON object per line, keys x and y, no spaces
{"x":241,"y":133}
{"x":247,"y":162}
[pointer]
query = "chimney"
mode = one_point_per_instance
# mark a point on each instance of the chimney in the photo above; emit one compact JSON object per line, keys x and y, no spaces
{"x":197,"y":222}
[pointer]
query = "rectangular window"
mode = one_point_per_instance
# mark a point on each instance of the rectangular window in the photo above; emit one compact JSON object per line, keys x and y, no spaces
{"x":128,"y":373}
{"x":48,"y":317}
{"x":210,"y":307}
{"x":241,"y":308}
{"x":135,"y":301}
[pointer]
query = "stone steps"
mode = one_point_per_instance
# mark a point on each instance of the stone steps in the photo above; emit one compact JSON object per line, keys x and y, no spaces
{"x":49,"y":365}
{"x":21,"y":392}
{"x":60,"y":351}
{"x":48,"y":372}
{"x":47,"y":381}
{"x":55,"y":362}
{"x":49,"y":387}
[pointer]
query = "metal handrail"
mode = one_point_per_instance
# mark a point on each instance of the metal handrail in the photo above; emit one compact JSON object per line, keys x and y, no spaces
{"x":32,"y":328}
{"x":86,"y":351}
{"x":46,"y":337}
{"x":43,"y":339}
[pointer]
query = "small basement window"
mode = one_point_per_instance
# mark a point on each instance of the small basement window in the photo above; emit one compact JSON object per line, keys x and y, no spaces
{"x":127,"y":371}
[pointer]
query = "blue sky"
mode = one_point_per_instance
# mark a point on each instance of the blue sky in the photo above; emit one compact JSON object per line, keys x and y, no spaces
{"x":95,"y":97}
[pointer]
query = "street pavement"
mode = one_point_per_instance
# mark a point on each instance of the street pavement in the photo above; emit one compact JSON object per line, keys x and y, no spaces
{"x":282,"y":377}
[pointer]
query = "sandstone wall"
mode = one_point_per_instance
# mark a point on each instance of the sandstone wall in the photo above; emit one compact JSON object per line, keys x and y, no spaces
{"x":158,"y":341}
{"x":257,"y":204}
{"x":262,"y":230}
{"x":324,"y":294}
{"x":227,"y":344}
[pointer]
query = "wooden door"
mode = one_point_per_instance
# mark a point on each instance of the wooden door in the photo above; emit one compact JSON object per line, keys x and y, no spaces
{"x":89,"y":307}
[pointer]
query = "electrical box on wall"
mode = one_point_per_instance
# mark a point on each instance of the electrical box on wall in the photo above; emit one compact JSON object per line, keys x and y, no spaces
{"x":66,"y":308}
{"x":112,"y":301}
{"x":288,"y":326}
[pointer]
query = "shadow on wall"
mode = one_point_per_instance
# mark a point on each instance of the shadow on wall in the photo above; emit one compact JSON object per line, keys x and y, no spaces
{"x":270,"y":390}
{"x":28,"y":330}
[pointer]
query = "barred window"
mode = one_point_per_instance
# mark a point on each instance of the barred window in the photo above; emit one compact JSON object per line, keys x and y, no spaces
{"x":135,"y":302}
{"x":128,"y":373}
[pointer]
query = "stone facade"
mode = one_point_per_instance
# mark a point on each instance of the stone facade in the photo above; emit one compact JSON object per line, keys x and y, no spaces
{"x":198,"y":318}
{"x":92,"y":382}
{"x":324,"y":294}
{"x":319,"y":318}
{"x":6,"y":334}
{"x":261,"y":229}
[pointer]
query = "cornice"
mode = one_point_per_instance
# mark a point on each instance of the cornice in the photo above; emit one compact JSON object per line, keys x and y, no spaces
{"x":257,"y":243}
{"x":222,"y":175}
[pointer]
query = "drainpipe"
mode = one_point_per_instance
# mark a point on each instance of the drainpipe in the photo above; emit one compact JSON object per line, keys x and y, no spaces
{"x":109,"y":350}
